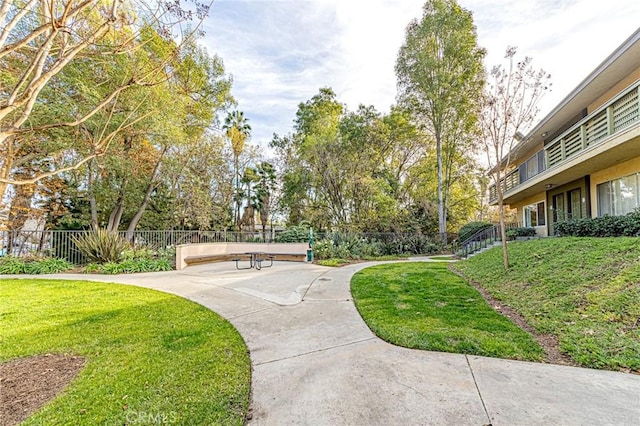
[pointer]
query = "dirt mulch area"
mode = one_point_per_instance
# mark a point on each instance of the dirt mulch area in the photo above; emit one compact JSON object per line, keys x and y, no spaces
{"x":27,"y":384}
{"x":548,"y":342}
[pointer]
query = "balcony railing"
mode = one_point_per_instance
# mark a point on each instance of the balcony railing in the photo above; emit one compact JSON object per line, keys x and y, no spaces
{"x":616,"y":115}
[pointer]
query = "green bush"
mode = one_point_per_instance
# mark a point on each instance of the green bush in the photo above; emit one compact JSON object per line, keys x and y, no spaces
{"x":48,"y":265}
{"x":10,"y":265}
{"x":605,"y":226}
{"x":323,"y":249}
{"x":136,"y":253}
{"x":371,"y":249}
{"x":294,"y":234}
{"x":333,"y":262}
{"x":101,"y":246}
{"x":339,"y":245}
{"x":409,"y":244}
{"x":521,"y":232}
{"x":129,"y":266}
{"x":471,"y":228}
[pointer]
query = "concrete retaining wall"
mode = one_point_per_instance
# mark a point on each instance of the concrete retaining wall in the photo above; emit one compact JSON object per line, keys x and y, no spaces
{"x":187,"y":250}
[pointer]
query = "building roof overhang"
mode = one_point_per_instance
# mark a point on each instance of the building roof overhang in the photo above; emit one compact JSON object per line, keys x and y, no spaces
{"x":622,"y":62}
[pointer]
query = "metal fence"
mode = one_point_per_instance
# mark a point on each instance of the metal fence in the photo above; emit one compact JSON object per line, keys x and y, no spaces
{"x":61,"y":244}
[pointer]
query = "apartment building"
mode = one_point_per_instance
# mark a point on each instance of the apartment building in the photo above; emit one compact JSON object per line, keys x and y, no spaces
{"x":583,"y":159}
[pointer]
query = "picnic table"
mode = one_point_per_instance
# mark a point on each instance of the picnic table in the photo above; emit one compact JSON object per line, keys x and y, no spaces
{"x":255,"y":260}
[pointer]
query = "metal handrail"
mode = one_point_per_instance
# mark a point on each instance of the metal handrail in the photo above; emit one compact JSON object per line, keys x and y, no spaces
{"x":479,"y":240}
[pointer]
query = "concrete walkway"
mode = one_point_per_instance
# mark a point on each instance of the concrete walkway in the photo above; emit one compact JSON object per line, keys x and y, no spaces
{"x":315,"y":362}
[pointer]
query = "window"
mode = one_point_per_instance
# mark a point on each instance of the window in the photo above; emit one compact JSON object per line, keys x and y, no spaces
{"x":575,"y":204}
{"x":534,"y":215}
{"x":559,"y":212}
{"x":532,"y":167}
{"x":620,"y":196}
{"x":542,"y":214}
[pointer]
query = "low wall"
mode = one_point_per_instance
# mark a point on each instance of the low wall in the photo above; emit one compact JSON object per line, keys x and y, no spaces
{"x":202,"y":249}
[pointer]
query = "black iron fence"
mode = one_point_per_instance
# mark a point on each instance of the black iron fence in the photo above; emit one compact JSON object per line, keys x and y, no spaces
{"x":61,"y":244}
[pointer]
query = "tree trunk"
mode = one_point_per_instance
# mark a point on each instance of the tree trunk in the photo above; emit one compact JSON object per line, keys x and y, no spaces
{"x":442,"y":218}
{"x":237,"y":196}
{"x":92,"y":197}
{"x":116,"y":214}
{"x":143,"y":206}
{"x":147,"y":197}
{"x":4,"y":174}
{"x":264,"y":217}
{"x":503,"y":231}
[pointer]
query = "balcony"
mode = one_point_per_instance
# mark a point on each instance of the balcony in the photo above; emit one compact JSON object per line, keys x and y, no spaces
{"x":613,"y":117}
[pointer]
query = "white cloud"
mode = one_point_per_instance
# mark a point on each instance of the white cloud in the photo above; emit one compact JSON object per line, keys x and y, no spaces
{"x":567,"y":38}
{"x":281,"y":52}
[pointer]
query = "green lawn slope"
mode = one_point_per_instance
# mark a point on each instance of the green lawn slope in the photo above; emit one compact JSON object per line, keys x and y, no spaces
{"x":585,"y":291}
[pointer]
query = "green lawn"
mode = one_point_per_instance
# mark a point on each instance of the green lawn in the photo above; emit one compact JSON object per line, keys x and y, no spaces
{"x":425,"y":306}
{"x":586,"y":291}
{"x":146,"y":352}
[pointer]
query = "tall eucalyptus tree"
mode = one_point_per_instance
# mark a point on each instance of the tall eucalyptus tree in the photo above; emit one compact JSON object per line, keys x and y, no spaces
{"x":440,"y":80}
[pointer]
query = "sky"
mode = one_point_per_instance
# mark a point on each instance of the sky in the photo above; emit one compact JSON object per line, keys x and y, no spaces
{"x":281,"y":52}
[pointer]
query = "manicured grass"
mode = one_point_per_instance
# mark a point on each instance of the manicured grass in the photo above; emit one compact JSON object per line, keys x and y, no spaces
{"x":426,"y":306}
{"x":586,"y":291}
{"x":148,"y":354}
{"x":333,"y":262}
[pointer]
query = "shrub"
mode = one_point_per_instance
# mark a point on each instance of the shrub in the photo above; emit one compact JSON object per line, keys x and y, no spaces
{"x":333,"y":262}
{"x":521,"y":232}
{"x":129,"y":266}
{"x":101,"y":246}
{"x":371,"y":249}
{"x":48,"y":265}
{"x":137,"y":253}
{"x":471,"y":228}
{"x":403,"y":244}
{"x":356,"y":246}
{"x":10,"y":265}
{"x":294,"y":234}
{"x":323,"y":249}
{"x":605,"y":226}
{"x":347,"y":246}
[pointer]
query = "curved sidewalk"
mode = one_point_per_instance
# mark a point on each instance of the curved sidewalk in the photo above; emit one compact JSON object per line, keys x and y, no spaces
{"x":315,"y":362}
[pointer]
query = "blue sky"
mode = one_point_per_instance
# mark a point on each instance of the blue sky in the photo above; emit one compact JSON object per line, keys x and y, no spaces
{"x":281,"y":52}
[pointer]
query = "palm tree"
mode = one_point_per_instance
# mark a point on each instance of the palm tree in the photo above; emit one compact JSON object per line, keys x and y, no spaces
{"x":266,"y":186}
{"x":237,"y":130}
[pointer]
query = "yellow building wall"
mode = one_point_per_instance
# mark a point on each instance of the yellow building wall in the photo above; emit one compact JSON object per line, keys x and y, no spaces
{"x":619,"y":87}
{"x":615,"y":172}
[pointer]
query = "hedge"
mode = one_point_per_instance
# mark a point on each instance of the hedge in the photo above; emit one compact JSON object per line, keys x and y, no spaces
{"x":605,"y":226}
